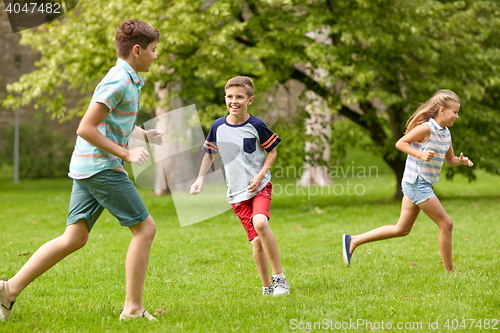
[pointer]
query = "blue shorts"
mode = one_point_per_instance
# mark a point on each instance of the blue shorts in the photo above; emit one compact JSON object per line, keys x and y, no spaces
{"x":108,"y":189}
{"x":418,"y":192}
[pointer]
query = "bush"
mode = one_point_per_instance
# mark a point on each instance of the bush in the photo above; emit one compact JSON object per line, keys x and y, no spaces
{"x":291,"y":148}
{"x":43,"y":153}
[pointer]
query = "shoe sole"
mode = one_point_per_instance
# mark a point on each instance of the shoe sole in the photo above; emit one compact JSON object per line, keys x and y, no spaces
{"x":344,"y":251}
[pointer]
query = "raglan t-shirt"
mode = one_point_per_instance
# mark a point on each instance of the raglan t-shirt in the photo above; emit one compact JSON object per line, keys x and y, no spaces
{"x":241,"y":148}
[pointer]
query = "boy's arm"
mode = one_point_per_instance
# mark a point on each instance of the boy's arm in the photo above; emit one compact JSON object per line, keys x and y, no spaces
{"x":453,"y":160}
{"x":152,"y":136}
{"x":205,"y":165}
{"x":257,"y":180}
{"x":87,"y":129}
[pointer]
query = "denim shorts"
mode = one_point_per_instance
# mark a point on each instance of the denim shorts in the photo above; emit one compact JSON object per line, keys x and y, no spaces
{"x":418,"y":192}
{"x":108,"y":189}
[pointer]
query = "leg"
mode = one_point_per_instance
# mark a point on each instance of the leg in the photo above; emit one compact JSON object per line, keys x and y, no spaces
{"x":49,"y":254}
{"x":259,"y":255}
{"x":261,"y":225}
{"x":436,"y":212}
{"x":244,"y":211}
{"x":137,"y":263}
{"x":409,"y":213}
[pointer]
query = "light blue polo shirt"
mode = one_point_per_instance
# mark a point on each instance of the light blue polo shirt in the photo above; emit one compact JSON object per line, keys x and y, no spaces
{"x":119,"y":91}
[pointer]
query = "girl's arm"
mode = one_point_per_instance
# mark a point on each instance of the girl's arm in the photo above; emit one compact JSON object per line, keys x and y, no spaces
{"x":420,"y":133}
{"x":87,"y":129}
{"x":453,"y":160}
{"x":257,"y":180}
{"x":207,"y":161}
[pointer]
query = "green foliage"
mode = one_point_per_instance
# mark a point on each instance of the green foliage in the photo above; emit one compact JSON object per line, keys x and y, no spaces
{"x":349,"y":145}
{"x":398,"y":52}
{"x":478,"y":136}
{"x":43,"y":153}
{"x":291,"y":148}
{"x":345,"y":135}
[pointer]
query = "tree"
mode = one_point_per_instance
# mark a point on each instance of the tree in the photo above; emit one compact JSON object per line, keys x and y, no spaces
{"x":381,"y":58}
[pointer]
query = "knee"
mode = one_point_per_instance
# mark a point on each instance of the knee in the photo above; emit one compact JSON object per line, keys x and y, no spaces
{"x":148,"y":228}
{"x":447,"y":225}
{"x":81,"y":242}
{"x":404,"y":232}
{"x":260,"y":223}
{"x":257,"y":244}
{"x":76,"y":236}
{"x":75,"y":242}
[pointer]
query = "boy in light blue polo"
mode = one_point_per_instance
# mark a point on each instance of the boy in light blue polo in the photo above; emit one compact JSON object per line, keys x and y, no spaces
{"x":100,"y":180}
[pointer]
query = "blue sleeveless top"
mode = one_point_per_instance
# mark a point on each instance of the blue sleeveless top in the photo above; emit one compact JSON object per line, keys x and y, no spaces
{"x":439,"y":142}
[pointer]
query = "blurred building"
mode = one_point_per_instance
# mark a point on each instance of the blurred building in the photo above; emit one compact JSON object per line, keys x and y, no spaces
{"x":12,"y":56}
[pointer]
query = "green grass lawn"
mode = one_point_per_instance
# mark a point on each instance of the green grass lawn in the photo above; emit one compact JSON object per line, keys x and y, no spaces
{"x":202,"y":277}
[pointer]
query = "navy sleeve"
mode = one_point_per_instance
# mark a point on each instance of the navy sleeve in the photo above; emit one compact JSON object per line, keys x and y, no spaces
{"x":210,"y":145}
{"x":268,"y":139}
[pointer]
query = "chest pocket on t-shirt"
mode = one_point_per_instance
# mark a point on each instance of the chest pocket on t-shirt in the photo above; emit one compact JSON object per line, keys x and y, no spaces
{"x":249,"y":145}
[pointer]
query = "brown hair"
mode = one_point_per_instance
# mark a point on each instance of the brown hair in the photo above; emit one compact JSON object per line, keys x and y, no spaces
{"x":241,"y":81}
{"x":132,"y":32}
{"x":429,"y":109}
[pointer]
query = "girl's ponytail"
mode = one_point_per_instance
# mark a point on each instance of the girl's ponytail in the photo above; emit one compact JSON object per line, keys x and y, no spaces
{"x":430,"y":108}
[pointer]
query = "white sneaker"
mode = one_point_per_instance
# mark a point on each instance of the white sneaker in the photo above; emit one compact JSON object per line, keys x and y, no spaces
{"x":5,"y":302}
{"x":267,"y":290}
{"x":281,"y":286}
{"x":145,"y":314}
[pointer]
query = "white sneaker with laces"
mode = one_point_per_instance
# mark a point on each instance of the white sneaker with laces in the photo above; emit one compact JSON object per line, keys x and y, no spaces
{"x":267,"y":290}
{"x":281,"y":286}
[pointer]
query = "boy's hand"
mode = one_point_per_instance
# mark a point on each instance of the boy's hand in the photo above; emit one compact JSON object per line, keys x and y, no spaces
{"x":465,"y":160}
{"x":427,"y":155}
{"x":196,"y":187}
{"x":255,"y":183}
{"x":155,"y":136}
{"x":138,"y":155}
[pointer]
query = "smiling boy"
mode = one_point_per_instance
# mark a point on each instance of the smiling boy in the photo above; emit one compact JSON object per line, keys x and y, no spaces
{"x":242,"y":141}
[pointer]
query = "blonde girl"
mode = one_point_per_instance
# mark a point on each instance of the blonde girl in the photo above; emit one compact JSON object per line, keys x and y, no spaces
{"x":427,"y":141}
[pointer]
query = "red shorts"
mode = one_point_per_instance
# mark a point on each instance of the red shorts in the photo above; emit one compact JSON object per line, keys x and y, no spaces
{"x":247,"y":209}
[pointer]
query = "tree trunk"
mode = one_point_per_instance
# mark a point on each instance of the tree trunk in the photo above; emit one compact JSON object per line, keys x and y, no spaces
{"x":172,"y":146}
{"x":318,"y":149}
{"x":398,"y":166}
{"x":161,"y":182}
{"x":398,"y":162}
